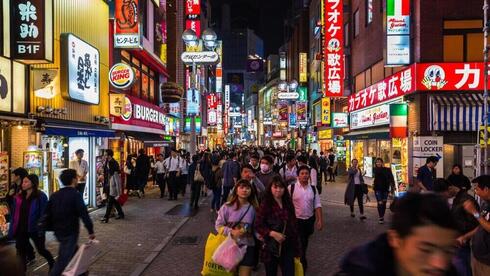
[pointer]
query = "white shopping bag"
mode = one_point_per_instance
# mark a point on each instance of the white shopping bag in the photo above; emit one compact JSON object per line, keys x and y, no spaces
{"x":84,"y":257}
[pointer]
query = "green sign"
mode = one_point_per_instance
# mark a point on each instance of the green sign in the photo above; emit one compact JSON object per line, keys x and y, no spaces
{"x":303,"y":93}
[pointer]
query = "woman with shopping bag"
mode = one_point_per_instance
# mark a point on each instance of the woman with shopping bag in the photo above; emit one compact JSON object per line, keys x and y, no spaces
{"x":237,"y":218}
{"x":276,"y":224}
{"x":113,"y":178}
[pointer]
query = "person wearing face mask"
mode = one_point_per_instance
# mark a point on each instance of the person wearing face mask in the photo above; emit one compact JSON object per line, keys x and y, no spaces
{"x":266,"y":173}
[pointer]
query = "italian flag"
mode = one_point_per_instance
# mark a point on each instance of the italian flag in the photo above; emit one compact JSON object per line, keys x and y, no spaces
{"x":398,"y":7}
{"x":398,"y":120}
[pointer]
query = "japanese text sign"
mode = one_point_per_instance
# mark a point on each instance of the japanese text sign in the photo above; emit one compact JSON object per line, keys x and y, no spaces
{"x":212,"y":100}
{"x":325,"y":111}
{"x":397,"y":32}
{"x":128,"y":112}
{"x":192,"y":7}
{"x":325,"y":134}
{"x":126,"y":19}
{"x":334,"y":48}
{"x":79,"y":70}
{"x":282,"y":107}
{"x":301,"y":108}
{"x":30,"y":27}
{"x":303,"y":65}
{"x":194,"y":25}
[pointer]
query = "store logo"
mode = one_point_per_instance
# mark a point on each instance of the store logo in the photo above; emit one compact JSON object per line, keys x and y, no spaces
{"x":121,"y":76}
{"x":127,"y":110}
{"x":434,"y":76}
{"x":333,"y":45}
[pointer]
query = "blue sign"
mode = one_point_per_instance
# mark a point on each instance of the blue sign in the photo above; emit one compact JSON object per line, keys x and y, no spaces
{"x":193,"y":102}
{"x":292,"y":120}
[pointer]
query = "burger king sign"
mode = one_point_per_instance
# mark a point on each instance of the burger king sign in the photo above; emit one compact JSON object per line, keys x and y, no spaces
{"x":121,"y":76}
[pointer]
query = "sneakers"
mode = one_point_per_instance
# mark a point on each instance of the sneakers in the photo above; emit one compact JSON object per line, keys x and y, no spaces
{"x":381,"y":221}
{"x":363,"y":218}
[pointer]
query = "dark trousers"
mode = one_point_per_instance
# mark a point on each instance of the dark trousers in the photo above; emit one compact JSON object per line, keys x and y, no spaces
{"x":216,"y":202}
{"x":67,"y":249}
{"x":285,"y":262}
{"x":381,"y":198}
{"x":142,"y":181}
{"x":196,"y":193}
{"x":183,"y":183}
{"x":359,"y":195}
{"x":81,"y":188}
{"x":160,"y":178}
{"x":226,"y":193}
{"x":331,"y":174}
{"x":22,"y":244}
{"x":112,"y":202}
{"x":172,"y":185}
{"x":305,"y":229}
{"x":323,"y":175}
{"x":462,"y":260}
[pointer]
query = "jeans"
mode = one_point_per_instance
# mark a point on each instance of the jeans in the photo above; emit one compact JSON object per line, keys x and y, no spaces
{"x":226,"y":193}
{"x":68,"y":248}
{"x":216,"y":202}
{"x":285,"y":261}
{"x":196,"y":192}
{"x":161,"y":183}
{"x":22,"y":244}
{"x":381,"y":197}
{"x":359,"y":195}
{"x":305,"y":229}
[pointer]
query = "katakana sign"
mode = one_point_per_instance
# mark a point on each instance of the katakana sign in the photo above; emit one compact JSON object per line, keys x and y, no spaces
{"x":334,"y":48}
{"x":397,"y":32}
{"x":79,"y":70}
{"x":206,"y":57}
{"x":126,"y":19}
{"x":30,"y":40}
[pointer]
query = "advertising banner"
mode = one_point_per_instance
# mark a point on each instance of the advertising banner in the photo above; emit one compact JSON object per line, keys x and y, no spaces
{"x":303,"y":67}
{"x":126,"y":20}
{"x":193,"y":98}
{"x":325,"y":111}
{"x":334,"y":48}
{"x":325,"y":134}
{"x":301,"y":112}
{"x":397,"y":32}
{"x":374,"y":116}
{"x":192,"y":7}
{"x":194,"y":25}
{"x":131,"y":113}
{"x":340,"y":120}
{"x":80,"y":63}
{"x":292,"y":120}
{"x":282,"y":107}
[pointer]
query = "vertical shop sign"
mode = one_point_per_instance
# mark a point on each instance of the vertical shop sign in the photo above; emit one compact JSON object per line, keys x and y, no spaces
{"x":161,"y":31}
{"x":194,"y":25}
{"x":31,"y":28}
{"x":301,"y":112}
{"x":292,"y":120}
{"x":126,"y":20}
{"x":325,"y":111}
{"x":282,"y":107}
{"x":303,"y":65}
{"x":212,"y":104}
{"x":398,"y":120}
{"x":334,"y":48}
{"x":192,"y":7}
{"x":193,"y":101}
{"x":398,"y":32}
{"x":219,"y":68}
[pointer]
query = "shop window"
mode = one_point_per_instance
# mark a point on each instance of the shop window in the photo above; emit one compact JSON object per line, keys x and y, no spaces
{"x":144,"y":86}
{"x":369,"y":11}
{"x":463,"y":40}
{"x":144,"y":68}
{"x":356,"y":23}
{"x":474,"y":46}
{"x":125,"y":55}
{"x":453,"y":48}
{"x":135,"y":89}
{"x":152,"y":90}
{"x":136,"y":62}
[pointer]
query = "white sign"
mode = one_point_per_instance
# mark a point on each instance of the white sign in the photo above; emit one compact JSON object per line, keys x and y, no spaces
{"x":340,"y":120}
{"x":207,"y":57}
{"x":80,"y":70}
{"x":369,"y":117}
{"x":121,"y":76}
{"x":426,"y":146}
{"x":288,"y":95}
{"x":397,"y":49}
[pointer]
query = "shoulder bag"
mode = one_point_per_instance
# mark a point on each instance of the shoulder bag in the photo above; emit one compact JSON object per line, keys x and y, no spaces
{"x":197,"y":175}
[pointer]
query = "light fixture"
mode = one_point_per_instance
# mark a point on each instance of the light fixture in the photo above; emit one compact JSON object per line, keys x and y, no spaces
{"x":40,"y":109}
{"x":189,"y":36}
{"x":283,"y":86}
{"x":48,"y":110}
{"x":210,"y":44}
{"x":209,"y":35}
{"x":19,"y":125}
{"x":293,"y":85}
{"x":97,"y":118}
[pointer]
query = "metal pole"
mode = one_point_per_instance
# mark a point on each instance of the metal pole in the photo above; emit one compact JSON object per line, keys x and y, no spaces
{"x":485,"y":88}
{"x":193,"y":137}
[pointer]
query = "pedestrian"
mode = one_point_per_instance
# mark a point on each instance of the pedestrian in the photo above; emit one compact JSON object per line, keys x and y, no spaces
{"x":15,"y":186}
{"x":172,"y":166}
{"x":289,"y":171}
{"x":332,"y":168}
{"x":480,"y":260}
{"x":323,"y":163}
{"x":160,"y":174}
{"x":81,"y":166}
{"x":458,"y":179}
{"x":196,"y":179}
{"x":28,"y":207}
{"x":130,"y":173}
{"x":231,"y":174}
{"x":355,"y":189}
{"x":248,"y":174}
{"x":308,"y":209}
{"x":65,"y":209}
{"x":302,"y":159}
{"x":237,"y":217}
{"x":143,"y":167}
{"x":207,"y":168}
{"x":266,"y":173}
{"x":254,"y":162}
{"x":184,"y":173}
{"x":420,"y":241}
{"x":425,"y":175}
{"x":113,"y":178}
{"x":316,"y":177}
{"x":218,"y":183}
{"x":276,"y":224}
{"x":383,"y":182}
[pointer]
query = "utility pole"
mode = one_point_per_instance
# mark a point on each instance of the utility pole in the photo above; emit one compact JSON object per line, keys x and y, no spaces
{"x":485,"y":85}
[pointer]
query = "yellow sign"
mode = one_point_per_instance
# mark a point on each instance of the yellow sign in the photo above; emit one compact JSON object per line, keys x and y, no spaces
{"x":481,"y":135}
{"x":325,"y":111}
{"x":303,"y":65}
{"x":325,"y":134}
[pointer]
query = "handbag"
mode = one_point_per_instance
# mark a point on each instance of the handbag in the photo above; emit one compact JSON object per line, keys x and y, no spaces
{"x":84,"y":257}
{"x":122,"y":199}
{"x":210,"y":268}
{"x":364,"y":188}
{"x":229,"y":254}
{"x":127,"y":170}
{"x":270,"y":244}
{"x":197,"y":175}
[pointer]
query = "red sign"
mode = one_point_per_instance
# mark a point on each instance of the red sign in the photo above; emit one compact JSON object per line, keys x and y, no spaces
{"x":212,"y":101}
{"x":462,"y":76}
{"x":334,"y":48}
{"x":194,"y":25}
{"x":126,"y":19}
{"x":192,"y":7}
{"x":282,"y":107}
{"x":131,"y":113}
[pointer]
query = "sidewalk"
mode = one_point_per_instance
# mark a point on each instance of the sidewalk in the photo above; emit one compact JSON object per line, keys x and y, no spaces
{"x":125,"y":244}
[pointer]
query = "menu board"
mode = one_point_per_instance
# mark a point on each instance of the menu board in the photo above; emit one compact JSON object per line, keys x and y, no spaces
{"x":4,"y":174}
{"x":33,"y":162}
{"x":4,"y":222}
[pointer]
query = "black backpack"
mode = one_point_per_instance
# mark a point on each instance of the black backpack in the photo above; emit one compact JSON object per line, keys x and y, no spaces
{"x":312,"y":187}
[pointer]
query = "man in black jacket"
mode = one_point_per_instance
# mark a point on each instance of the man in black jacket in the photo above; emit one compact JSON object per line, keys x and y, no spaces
{"x":64,"y":210}
{"x":142,"y":170}
{"x":421,"y":241}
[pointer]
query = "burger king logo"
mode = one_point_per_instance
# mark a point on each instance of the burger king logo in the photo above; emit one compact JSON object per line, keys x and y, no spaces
{"x":121,"y":76}
{"x":127,"y":109}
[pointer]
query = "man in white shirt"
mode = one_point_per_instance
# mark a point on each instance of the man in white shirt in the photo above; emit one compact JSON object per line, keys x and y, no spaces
{"x":81,"y":166}
{"x":160,"y":171}
{"x":307,"y":207}
{"x":172,"y":165}
{"x":313,"y":173}
{"x":289,"y":171}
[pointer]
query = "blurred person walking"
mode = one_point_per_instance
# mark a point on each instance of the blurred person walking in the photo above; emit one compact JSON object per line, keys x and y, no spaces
{"x":356,"y":188}
{"x":383,"y":182}
{"x":113,"y":178}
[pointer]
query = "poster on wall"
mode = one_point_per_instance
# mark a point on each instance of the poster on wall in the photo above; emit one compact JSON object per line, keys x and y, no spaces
{"x":426,"y":146}
{"x":301,"y":108}
{"x":80,"y":61}
{"x":126,"y":21}
{"x":400,"y":187}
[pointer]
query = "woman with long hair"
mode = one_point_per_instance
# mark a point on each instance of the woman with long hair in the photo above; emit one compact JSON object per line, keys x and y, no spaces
{"x":458,"y":179}
{"x":383,"y":181}
{"x":207,"y":172}
{"x":28,"y":207}
{"x":354,"y":189}
{"x":237,"y":217}
{"x":276,"y":224}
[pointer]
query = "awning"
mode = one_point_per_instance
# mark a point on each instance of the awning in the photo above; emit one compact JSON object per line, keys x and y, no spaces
{"x":377,"y":133}
{"x":152,"y":140}
{"x":76,"y":130}
{"x":461,"y":112}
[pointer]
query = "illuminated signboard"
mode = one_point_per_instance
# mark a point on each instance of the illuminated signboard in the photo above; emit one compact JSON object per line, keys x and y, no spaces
{"x":340,"y":120}
{"x":303,"y":65}
{"x":126,"y":21}
{"x":397,"y":32}
{"x":334,"y":48}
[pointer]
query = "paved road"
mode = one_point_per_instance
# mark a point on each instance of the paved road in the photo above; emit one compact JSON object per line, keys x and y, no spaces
{"x":147,"y":241}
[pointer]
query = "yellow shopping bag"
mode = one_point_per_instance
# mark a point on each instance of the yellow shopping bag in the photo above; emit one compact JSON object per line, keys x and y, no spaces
{"x":298,"y":267}
{"x":210,"y":268}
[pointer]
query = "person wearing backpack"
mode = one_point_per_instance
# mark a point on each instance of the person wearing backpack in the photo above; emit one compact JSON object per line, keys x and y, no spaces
{"x":289,"y":171}
{"x":308,"y":209}
{"x":196,"y":178}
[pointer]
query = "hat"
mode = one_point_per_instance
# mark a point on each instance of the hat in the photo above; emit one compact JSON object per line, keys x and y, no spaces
{"x":482,"y":180}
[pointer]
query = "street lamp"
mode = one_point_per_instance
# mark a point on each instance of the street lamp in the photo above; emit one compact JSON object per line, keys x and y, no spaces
{"x":288,"y":91}
{"x":191,"y":39}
